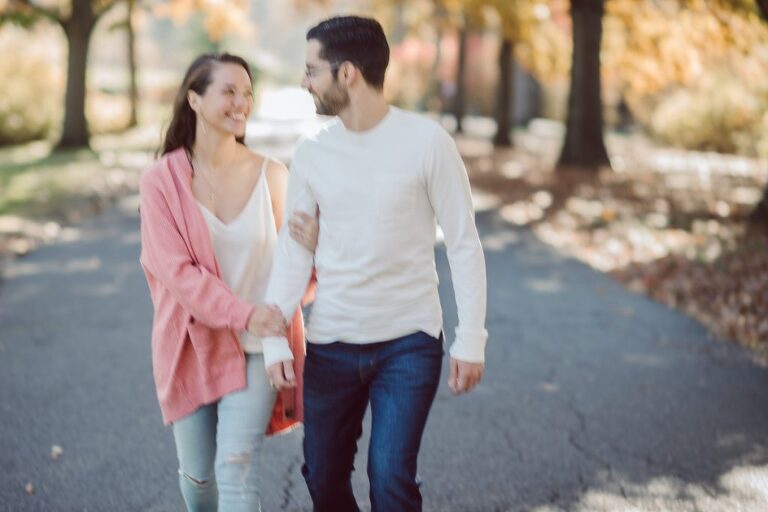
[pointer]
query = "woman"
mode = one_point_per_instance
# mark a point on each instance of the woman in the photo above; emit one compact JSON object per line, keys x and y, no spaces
{"x":209,"y":210}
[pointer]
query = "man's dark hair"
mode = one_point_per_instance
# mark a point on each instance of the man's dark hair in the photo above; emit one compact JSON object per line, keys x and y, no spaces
{"x":354,"y":39}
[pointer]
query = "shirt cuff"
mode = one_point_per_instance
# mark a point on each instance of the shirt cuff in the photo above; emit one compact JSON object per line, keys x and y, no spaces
{"x":275,"y":349}
{"x":469,"y":347}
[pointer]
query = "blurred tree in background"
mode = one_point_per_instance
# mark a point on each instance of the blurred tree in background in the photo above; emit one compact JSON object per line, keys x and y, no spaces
{"x":689,"y":73}
{"x":29,"y":89}
{"x":78,"y":19}
{"x":584,"y":147}
{"x":760,"y":214}
{"x":220,"y":17}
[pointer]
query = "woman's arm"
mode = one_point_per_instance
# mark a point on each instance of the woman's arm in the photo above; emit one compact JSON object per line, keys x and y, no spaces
{"x":164,"y":253}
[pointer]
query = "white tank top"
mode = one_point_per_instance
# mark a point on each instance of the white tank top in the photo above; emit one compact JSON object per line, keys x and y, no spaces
{"x":244,"y":249}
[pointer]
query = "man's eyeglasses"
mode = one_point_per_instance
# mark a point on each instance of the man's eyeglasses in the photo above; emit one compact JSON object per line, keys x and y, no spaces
{"x":311,"y":73}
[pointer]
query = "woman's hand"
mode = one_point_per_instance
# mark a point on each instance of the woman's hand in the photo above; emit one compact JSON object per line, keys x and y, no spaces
{"x":267,"y":320}
{"x":304,"y":228}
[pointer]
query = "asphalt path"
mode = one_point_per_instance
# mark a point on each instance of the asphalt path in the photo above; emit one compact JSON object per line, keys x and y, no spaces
{"x":595,"y":399}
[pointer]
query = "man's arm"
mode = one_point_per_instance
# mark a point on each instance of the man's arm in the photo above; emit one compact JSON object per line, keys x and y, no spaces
{"x":449,"y":193}
{"x":292,"y":262}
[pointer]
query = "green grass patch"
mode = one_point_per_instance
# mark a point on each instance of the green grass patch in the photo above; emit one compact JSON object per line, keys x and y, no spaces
{"x":40,"y":183}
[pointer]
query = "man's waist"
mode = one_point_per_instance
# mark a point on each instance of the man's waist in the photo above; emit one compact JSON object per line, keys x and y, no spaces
{"x":373,"y":333}
{"x":376,"y":301}
{"x":360,"y":321}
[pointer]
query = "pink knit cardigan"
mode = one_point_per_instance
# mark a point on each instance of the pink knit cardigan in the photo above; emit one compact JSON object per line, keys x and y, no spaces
{"x":196,"y":356}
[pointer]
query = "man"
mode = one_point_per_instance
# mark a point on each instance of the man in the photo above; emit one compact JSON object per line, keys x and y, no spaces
{"x":380,"y":178}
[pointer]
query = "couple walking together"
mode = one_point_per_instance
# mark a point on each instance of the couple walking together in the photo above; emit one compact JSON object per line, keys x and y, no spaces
{"x":358,"y":211}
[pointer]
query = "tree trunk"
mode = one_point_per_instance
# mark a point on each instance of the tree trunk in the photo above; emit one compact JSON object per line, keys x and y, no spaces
{"x":759,"y":215}
{"x":133,"y":91}
{"x":460,"y":98}
{"x":78,"y":30}
{"x":762,"y":7}
{"x":434,"y":92}
{"x":504,"y":106}
{"x":584,"y":147}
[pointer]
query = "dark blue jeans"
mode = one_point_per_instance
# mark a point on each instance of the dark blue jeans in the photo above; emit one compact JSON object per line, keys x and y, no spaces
{"x":399,"y":377}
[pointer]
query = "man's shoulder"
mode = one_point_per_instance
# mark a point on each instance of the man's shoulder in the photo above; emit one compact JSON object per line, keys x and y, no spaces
{"x":419,"y":129}
{"x":417,"y":121}
{"x":313,"y":140}
{"x":319,"y":132}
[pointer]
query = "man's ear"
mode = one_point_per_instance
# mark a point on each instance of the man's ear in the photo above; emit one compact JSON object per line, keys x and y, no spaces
{"x":348,"y":73}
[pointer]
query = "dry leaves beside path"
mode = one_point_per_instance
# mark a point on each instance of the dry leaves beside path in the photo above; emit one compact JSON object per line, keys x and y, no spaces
{"x":665,"y":222}
{"x":728,"y":295}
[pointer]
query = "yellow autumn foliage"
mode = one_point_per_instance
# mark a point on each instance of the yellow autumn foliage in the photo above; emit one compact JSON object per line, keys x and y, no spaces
{"x":693,"y":72}
{"x":30,"y":102}
{"x":220,"y":17}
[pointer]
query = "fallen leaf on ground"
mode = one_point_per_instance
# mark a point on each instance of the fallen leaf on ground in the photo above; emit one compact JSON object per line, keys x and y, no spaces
{"x":56,"y":451}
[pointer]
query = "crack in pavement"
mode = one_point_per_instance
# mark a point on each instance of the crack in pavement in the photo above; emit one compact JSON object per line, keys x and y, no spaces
{"x":508,"y":438}
{"x":289,"y":484}
{"x":572,"y":440}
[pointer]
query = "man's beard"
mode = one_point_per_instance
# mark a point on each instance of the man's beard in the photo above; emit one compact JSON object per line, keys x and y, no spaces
{"x":332,"y":102}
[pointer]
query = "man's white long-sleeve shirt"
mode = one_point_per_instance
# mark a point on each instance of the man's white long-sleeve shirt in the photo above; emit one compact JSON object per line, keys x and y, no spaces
{"x":379,"y":194}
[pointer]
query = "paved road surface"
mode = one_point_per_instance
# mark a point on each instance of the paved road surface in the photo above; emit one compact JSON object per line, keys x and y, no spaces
{"x":595,"y":399}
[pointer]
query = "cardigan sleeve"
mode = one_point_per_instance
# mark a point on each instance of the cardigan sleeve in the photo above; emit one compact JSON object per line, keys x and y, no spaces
{"x":164,"y":253}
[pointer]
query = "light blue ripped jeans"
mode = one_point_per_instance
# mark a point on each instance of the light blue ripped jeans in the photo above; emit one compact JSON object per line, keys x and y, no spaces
{"x":218,"y":446}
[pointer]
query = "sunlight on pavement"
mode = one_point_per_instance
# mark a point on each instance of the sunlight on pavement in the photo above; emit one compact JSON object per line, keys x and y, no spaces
{"x":129,"y":204}
{"x":743,"y":489}
{"x":70,"y":234}
{"x":483,"y":201}
{"x":550,"y":285}
{"x":76,"y":265}
{"x":13,"y":224}
{"x":521,"y":213}
{"x":500,"y":240}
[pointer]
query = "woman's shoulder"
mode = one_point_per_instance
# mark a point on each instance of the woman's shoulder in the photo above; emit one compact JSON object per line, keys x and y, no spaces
{"x":159,"y":171}
{"x":261,"y":162}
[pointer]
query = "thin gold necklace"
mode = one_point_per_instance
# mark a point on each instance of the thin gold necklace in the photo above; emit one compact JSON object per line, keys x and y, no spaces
{"x":211,"y":188}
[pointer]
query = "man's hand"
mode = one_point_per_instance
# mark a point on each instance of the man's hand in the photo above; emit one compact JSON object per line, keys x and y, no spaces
{"x":304,"y":228}
{"x":281,"y":375}
{"x":464,"y":376}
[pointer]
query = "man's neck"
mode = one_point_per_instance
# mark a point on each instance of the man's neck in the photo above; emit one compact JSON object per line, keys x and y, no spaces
{"x":367,"y":109}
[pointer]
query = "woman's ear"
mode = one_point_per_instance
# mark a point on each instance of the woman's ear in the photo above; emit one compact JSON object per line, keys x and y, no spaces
{"x":193,"y":99}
